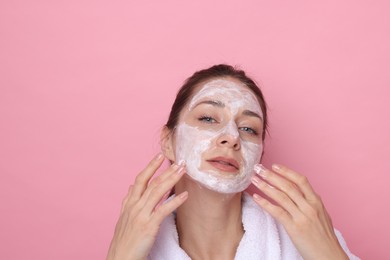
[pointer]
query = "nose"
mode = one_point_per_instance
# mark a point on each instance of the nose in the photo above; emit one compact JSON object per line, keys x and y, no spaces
{"x":229,"y":141}
{"x":230,"y":137}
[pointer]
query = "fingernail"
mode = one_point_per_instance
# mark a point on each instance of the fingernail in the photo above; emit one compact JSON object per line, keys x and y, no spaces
{"x":181,"y":170}
{"x":260,"y":170}
{"x":181,"y":162}
{"x":256,"y":197}
{"x":276,"y":167}
{"x":158,"y":156}
{"x":183,"y":195}
{"x":255,"y":180}
{"x":175,"y":166}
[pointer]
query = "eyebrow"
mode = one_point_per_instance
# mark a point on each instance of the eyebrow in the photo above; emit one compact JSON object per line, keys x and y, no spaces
{"x":251,"y":113}
{"x":220,"y":104}
{"x":216,"y":103}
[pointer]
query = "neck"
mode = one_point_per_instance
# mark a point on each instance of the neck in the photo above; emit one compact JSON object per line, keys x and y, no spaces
{"x":209,"y":224}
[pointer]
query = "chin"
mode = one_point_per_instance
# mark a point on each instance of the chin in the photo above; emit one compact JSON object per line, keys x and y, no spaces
{"x":221,"y":182}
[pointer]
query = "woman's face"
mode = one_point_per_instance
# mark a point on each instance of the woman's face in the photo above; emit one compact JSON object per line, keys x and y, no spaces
{"x":219,"y":135}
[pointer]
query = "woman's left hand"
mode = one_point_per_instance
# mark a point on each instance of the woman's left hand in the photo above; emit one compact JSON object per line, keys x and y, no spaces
{"x":300,"y":210}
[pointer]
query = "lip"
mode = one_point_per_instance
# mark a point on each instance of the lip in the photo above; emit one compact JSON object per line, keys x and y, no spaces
{"x":224,"y":164}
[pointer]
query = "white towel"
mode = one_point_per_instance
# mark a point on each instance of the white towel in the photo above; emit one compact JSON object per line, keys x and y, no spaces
{"x":264,"y":238}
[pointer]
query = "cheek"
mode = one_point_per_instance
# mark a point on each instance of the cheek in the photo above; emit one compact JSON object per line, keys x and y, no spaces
{"x":252,"y":154}
{"x":191,"y":142}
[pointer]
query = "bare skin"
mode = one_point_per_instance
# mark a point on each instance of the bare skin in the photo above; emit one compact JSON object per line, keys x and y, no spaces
{"x":140,"y":218}
{"x":205,"y":222}
{"x":301,"y":212}
{"x":209,"y":223}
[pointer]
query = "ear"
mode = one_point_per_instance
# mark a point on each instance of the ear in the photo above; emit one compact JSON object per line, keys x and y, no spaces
{"x":167,"y":144}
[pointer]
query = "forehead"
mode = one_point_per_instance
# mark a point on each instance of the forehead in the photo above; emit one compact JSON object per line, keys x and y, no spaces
{"x":230,"y":92}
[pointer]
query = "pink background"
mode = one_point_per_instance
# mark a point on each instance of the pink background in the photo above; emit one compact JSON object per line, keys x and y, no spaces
{"x":85,"y":87}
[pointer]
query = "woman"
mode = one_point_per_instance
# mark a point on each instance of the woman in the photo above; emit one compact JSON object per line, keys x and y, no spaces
{"x":214,"y":141}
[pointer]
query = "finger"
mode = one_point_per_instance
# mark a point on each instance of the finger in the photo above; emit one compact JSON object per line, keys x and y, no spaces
{"x":277,"y":212}
{"x":298,"y":179}
{"x":140,"y":203}
{"x":142,"y":179}
{"x":164,"y":210}
{"x":158,"y":180}
{"x":157,"y":192}
{"x":278,"y":196}
{"x":285,"y":185}
{"x":163,"y":199}
{"x":166,"y":174}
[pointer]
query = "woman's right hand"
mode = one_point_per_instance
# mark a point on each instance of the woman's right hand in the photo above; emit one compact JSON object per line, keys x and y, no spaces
{"x":140,"y":218}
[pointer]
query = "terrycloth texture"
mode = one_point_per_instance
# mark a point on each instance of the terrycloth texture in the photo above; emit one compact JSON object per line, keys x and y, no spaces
{"x":264,"y":238}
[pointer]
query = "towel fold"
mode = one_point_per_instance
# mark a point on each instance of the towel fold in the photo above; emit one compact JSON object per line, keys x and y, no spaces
{"x":264,"y":238}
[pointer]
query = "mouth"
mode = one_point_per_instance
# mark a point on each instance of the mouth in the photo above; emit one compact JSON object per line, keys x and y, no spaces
{"x":224,"y":164}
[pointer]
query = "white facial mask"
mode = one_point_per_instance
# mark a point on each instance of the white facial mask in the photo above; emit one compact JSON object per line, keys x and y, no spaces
{"x":192,"y":142}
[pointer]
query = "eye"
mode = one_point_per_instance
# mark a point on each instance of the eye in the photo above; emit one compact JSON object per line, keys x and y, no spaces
{"x":249,"y":130}
{"x":207,"y":119}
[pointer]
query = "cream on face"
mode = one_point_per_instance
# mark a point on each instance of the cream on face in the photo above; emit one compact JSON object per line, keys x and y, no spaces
{"x":194,"y":142}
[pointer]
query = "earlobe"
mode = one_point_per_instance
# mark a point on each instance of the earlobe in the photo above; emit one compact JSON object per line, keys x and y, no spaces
{"x":166,"y":141}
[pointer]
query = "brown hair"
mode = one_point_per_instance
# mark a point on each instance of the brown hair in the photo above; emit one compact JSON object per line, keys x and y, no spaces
{"x":216,"y":71}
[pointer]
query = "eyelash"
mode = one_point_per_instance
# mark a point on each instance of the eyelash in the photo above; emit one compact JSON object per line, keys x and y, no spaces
{"x":249,"y":130}
{"x":207,"y":119}
{"x":210,"y":120}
